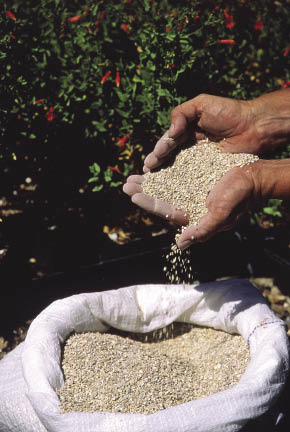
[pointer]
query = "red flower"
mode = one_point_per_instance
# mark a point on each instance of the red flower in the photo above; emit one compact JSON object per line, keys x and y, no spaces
{"x":286,"y":52}
{"x":229,"y":20}
{"x":10,"y":15}
{"x":227,"y":41}
{"x":117,"y":79}
{"x":206,"y":44}
{"x":126,"y":28}
{"x":97,"y":23}
{"x":105,"y":77}
{"x":121,"y":142}
{"x":196,"y":16}
{"x":167,"y":29}
{"x":115,"y":168}
{"x":102,"y":15}
{"x":38,"y":101}
{"x":180,"y":25}
{"x":75,"y":19}
{"x":285,"y":84}
{"x":13,"y":37}
{"x":50,"y":116}
{"x":258,"y":25}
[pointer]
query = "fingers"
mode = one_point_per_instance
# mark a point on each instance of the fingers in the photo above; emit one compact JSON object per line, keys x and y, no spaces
{"x":181,"y":129}
{"x":133,"y":185}
{"x":160,"y":208}
{"x":135,"y":178}
{"x":163,"y":147}
{"x":209,"y":225}
{"x":182,"y":116}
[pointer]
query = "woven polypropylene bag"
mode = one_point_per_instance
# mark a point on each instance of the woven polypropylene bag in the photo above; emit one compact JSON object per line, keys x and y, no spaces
{"x":234,"y":306}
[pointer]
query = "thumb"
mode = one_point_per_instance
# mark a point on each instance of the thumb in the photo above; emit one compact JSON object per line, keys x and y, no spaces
{"x":181,"y":117}
{"x":209,"y":225}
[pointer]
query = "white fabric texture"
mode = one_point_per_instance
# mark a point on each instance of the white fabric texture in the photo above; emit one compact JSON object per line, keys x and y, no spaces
{"x":30,"y":374}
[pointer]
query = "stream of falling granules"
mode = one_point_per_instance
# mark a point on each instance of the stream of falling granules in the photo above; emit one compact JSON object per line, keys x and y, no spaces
{"x":135,"y":373}
{"x":186,"y":185}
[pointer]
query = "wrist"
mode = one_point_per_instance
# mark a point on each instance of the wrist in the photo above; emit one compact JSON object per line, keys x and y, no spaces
{"x":270,"y":178}
{"x":270,"y":118}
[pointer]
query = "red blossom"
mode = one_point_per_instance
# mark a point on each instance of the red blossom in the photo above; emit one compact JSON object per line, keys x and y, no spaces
{"x":105,"y":77}
{"x":285,"y":84}
{"x":13,"y":37}
{"x":180,"y":25}
{"x":167,"y":29}
{"x":229,"y":20}
{"x":258,"y":25}
{"x":227,"y":41}
{"x":115,"y":168}
{"x":102,"y":15}
{"x":75,"y":18}
{"x":206,"y":44}
{"x":121,"y":142}
{"x":38,"y":101}
{"x":50,"y":116}
{"x":286,"y":52}
{"x":196,"y":16}
{"x":97,"y":23}
{"x":10,"y":15}
{"x":126,"y":28}
{"x":117,"y":79}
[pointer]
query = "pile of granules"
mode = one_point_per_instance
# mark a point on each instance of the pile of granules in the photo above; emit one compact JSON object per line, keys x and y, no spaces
{"x":186,"y":185}
{"x":117,"y":373}
{"x":195,"y":171}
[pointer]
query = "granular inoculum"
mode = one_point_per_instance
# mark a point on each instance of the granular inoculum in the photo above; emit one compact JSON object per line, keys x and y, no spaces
{"x":186,"y":185}
{"x":193,"y":174}
{"x":124,"y":373}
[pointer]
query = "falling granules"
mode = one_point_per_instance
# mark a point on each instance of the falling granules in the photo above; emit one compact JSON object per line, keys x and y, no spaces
{"x":178,"y":268}
{"x":186,"y":184}
{"x":180,"y":363}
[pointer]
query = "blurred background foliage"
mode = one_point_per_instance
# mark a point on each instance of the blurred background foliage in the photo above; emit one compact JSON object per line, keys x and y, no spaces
{"x":93,"y":82}
{"x":87,"y":87}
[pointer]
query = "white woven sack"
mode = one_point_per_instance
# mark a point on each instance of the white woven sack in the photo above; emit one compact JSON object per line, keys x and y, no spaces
{"x":233,"y":305}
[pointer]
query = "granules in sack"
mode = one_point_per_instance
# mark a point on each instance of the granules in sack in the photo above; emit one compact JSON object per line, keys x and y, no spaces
{"x":144,"y":373}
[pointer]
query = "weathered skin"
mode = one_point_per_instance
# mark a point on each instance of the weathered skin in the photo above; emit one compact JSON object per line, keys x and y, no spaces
{"x":239,"y":127}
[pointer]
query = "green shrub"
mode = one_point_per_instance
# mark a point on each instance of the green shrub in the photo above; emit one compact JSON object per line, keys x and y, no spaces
{"x":106,"y":74}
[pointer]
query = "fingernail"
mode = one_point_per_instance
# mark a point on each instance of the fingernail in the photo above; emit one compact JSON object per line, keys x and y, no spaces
{"x":171,"y":130}
{"x":184,"y":245}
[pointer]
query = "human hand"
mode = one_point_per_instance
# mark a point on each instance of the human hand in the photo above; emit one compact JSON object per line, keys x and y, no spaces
{"x":228,"y":201}
{"x":237,"y":126}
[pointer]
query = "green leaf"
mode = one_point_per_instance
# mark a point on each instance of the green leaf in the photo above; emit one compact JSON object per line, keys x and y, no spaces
{"x":97,"y":188}
{"x":99,"y":126}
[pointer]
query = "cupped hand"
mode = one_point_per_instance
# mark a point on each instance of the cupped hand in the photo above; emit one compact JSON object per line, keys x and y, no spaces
{"x":228,"y":201}
{"x":229,"y":122}
{"x":133,"y":188}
